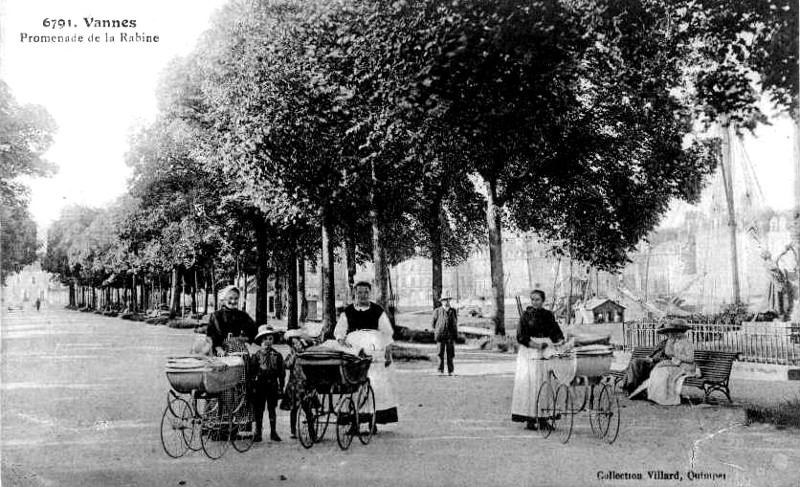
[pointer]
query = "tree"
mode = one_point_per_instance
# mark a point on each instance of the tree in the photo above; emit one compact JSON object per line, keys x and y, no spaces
{"x":18,"y":238}
{"x":26,"y":133}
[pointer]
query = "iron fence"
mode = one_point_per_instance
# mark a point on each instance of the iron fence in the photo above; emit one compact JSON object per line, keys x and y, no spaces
{"x":768,"y":343}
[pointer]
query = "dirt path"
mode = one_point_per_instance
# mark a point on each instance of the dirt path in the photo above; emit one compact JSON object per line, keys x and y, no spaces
{"x":82,"y":396}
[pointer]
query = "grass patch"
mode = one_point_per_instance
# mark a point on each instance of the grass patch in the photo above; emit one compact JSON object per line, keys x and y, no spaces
{"x":409,"y":354}
{"x":133,"y":316}
{"x":158,"y":320}
{"x":405,"y":334}
{"x":505,"y":343}
{"x":785,"y":414}
{"x":183,"y":324}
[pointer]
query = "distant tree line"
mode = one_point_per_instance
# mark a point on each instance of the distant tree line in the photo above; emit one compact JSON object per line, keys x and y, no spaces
{"x":369,"y":131}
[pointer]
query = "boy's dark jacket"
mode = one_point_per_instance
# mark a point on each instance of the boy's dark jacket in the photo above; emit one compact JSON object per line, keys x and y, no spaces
{"x":267,"y":372}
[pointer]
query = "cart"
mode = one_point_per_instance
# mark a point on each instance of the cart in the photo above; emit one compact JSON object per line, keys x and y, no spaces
{"x":340,"y":378}
{"x":193,"y":419}
{"x":576,"y":384}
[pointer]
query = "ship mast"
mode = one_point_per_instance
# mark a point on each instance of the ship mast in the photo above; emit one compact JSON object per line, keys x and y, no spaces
{"x":727,"y":179}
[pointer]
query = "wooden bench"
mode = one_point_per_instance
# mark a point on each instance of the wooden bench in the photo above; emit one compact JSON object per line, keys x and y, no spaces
{"x":715,"y":368}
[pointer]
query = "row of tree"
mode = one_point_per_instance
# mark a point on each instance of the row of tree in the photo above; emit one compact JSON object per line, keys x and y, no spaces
{"x":26,"y":132}
{"x":297,"y":130}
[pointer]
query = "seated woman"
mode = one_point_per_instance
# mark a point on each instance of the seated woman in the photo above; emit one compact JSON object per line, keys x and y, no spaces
{"x":639,"y":369}
{"x":666,"y":379}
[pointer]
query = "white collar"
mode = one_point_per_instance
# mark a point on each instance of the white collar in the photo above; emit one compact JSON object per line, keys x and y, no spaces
{"x":361,"y":308}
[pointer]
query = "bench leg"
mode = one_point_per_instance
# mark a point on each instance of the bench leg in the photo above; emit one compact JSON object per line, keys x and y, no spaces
{"x":727,"y":394}
{"x":717,"y":387}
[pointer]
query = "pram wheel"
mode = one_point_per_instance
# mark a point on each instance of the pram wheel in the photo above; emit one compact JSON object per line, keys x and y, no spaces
{"x":241,"y":427}
{"x":322,"y":407}
{"x":545,"y":408}
{"x":306,"y":424}
{"x":564,"y":413}
{"x":215,"y":434}
{"x":366,"y":412}
{"x":176,"y":427}
{"x":607,"y":414}
{"x":346,"y":422}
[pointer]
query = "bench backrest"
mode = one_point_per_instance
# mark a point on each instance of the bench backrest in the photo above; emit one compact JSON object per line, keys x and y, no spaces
{"x":642,"y":352}
{"x":715,"y":366}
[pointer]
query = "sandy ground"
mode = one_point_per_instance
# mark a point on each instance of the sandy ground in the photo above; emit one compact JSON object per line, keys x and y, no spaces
{"x":82,"y":396}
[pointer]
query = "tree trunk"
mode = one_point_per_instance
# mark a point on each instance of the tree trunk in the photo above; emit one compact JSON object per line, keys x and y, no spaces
{"x":727,"y":177}
{"x":72,"y":300}
{"x":496,"y":256}
{"x":94,"y":297}
{"x":435,"y":232}
{"x":381,"y":294}
{"x":262,"y":277}
{"x":205,"y":292}
{"x":214,"y":287}
{"x":278,"y":294}
{"x":796,"y":217}
{"x":569,"y":296}
{"x":291,"y":313}
{"x":134,"y":307}
{"x":176,"y":293}
{"x":326,"y":277}
{"x":194,"y":293}
{"x":350,"y":253}
{"x":244,"y":293}
{"x":301,"y":286}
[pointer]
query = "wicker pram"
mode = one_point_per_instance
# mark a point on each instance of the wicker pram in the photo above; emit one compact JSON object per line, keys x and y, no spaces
{"x":211,"y":375}
{"x":333,"y":371}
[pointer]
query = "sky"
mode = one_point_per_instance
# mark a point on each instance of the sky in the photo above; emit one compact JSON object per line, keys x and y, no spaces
{"x":97,"y":91}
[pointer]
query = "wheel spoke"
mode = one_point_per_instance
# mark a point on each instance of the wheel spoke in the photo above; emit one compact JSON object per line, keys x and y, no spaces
{"x":176,"y":421}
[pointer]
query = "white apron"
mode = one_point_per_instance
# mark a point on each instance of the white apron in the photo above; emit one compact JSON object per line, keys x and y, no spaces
{"x":380,"y":376}
{"x":533,"y":368}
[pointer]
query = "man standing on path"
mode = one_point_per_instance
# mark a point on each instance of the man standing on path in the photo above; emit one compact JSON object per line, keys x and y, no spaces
{"x":445,"y":330}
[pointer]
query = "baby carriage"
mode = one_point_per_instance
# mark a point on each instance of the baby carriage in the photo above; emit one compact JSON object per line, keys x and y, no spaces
{"x":577,"y":383}
{"x":194,"y":418}
{"x":332,"y":373}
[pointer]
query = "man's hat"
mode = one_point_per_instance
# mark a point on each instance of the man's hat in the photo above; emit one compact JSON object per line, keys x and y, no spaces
{"x":265,"y":330}
{"x":446,"y":295}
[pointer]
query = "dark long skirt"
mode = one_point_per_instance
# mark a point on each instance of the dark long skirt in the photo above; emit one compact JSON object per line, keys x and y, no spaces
{"x":230,"y":399}
{"x":637,"y":372}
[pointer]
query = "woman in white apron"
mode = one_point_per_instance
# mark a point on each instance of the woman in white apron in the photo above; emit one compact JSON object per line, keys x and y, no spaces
{"x":364,"y":325}
{"x":537,"y":331}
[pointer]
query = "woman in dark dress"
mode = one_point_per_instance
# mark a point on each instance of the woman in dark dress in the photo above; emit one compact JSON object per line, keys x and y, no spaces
{"x":537,"y":330}
{"x":230,"y":330}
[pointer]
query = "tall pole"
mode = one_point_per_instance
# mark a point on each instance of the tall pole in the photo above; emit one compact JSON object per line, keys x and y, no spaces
{"x":727,"y":177}
{"x":796,"y":213}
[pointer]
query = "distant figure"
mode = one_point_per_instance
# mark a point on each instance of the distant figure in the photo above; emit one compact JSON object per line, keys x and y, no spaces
{"x":445,"y":330}
{"x":38,"y":304}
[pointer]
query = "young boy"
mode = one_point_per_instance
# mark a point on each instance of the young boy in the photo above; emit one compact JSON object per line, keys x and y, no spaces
{"x":268,"y":380}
